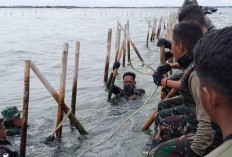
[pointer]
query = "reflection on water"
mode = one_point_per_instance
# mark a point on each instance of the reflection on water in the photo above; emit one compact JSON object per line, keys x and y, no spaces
{"x":39,"y":34}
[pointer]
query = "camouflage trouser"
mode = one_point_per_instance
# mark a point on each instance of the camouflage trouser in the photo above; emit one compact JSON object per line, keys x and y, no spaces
{"x":177,"y":147}
{"x":169,"y":128}
{"x":169,"y":107}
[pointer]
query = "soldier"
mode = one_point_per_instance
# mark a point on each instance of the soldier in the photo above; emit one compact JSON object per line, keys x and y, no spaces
{"x":213,"y":68}
{"x":185,"y":36}
{"x":207,"y":134}
{"x":129,"y":90}
{"x":6,"y":149}
{"x":12,"y":120}
{"x":173,"y":106}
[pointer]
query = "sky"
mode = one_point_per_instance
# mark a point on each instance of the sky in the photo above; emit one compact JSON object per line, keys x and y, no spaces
{"x":107,"y":3}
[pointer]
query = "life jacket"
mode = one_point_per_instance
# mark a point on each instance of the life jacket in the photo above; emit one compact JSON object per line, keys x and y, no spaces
{"x":188,"y":100}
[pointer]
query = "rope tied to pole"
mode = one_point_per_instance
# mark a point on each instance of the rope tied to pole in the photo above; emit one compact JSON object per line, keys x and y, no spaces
{"x":119,"y":127}
{"x":51,"y":137}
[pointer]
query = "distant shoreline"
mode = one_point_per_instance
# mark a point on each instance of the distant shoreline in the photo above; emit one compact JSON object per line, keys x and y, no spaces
{"x":74,"y":7}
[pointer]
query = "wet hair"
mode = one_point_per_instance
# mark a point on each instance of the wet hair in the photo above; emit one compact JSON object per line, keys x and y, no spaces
{"x":188,"y":33}
{"x":129,"y":74}
{"x":213,"y":60}
{"x":192,"y":12}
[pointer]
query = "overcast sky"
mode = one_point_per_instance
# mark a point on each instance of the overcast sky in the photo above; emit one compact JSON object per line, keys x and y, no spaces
{"x":118,"y":3}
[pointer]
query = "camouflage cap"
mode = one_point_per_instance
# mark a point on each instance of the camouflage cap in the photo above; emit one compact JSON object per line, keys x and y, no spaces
{"x":10,"y":113}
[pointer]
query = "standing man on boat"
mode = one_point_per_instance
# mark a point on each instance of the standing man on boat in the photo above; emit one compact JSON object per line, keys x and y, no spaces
{"x":213,"y":68}
{"x":129,"y":90}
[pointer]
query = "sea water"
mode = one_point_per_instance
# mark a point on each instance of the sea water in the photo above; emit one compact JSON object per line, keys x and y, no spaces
{"x":39,"y":35}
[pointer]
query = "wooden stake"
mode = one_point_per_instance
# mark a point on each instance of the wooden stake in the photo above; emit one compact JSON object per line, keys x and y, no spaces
{"x":133,"y":45}
{"x":108,"y":55}
{"x":118,"y":46}
{"x":75,"y":77}
{"x":116,"y":41}
{"x":25,"y":109}
{"x":62,"y":90}
{"x":162,"y":61}
{"x":148,"y":32}
{"x":55,"y":95}
{"x":159,"y":28}
{"x":124,"y":48}
{"x":115,"y":72}
{"x":128,"y":42}
{"x":136,"y":50}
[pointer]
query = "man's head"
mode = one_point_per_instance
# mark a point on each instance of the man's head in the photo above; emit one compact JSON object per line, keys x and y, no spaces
{"x":213,"y":60}
{"x":12,"y":117}
{"x":3,"y":131}
{"x":192,"y":12}
{"x":129,"y":79}
{"x":185,"y":35}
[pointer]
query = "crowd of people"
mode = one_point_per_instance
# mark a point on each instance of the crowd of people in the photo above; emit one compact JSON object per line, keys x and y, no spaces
{"x":197,"y":122}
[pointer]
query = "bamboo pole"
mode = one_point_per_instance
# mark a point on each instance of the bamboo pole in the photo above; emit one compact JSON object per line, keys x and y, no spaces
{"x":159,"y":28}
{"x":62,"y":90}
{"x":133,"y":45}
{"x":124,"y":48}
{"x":152,"y":28}
{"x":128,"y":42}
{"x":75,"y":77}
{"x":162,"y":61}
{"x":115,"y":72}
{"x":152,"y":117}
{"x":118,"y":46}
{"x":25,"y":109}
{"x":116,"y":41}
{"x":148,"y":32}
{"x":55,"y":95}
{"x":108,"y":55}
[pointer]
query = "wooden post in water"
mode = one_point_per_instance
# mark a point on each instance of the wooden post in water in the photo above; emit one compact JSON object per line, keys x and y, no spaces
{"x":133,"y":45}
{"x":124,"y":47}
{"x":108,"y":55}
{"x":136,"y":50}
{"x":75,"y":77}
{"x":62,"y":90}
{"x":25,"y":109}
{"x":115,"y":72}
{"x":55,"y":95}
{"x":148,"y":33}
{"x":159,"y":28}
{"x":162,"y":61}
{"x":153,"y":31}
{"x":116,"y":41}
{"x":118,"y":44}
{"x":128,"y":42}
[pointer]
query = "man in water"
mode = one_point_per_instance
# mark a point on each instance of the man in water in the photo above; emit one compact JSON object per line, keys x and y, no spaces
{"x":6,"y":149}
{"x":129,"y":90}
{"x":213,"y":68}
{"x":12,"y":120}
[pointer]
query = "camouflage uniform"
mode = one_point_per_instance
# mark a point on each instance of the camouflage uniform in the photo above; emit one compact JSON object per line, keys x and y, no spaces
{"x":207,"y":136}
{"x":169,"y":107}
{"x":177,"y":147}
{"x":9,"y":114}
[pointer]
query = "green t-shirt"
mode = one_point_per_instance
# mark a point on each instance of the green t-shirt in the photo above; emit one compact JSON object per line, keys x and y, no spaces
{"x":224,"y":150}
